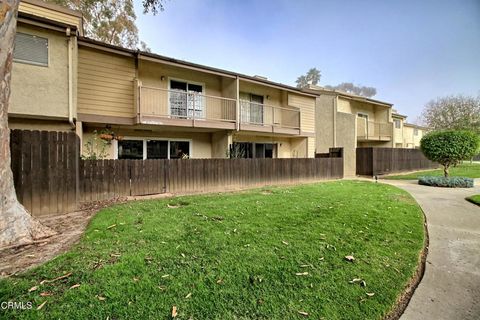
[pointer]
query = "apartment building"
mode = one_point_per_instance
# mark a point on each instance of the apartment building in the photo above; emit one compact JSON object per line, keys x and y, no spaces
{"x":406,"y":135}
{"x":350,"y":121}
{"x":153,"y":106}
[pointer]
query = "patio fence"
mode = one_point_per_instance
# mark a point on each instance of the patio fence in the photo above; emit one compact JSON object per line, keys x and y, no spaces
{"x":377,"y":161}
{"x":50,"y":178}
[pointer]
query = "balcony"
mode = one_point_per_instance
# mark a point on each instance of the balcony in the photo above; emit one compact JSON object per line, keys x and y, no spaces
{"x":373,"y":131}
{"x":265,"y":118}
{"x":159,"y":106}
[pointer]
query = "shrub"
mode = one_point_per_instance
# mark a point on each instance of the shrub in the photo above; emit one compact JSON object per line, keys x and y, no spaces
{"x":449,"y":147}
{"x":448,"y":182}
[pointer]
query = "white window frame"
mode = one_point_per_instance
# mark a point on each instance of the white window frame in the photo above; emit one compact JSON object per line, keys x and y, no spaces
{"x":33,"y":63}
{"x":202,"y":84}
{"x":145,"y":139}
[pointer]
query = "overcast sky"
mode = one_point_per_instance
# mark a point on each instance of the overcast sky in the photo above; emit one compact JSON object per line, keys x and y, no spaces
{"x":410,"y":50}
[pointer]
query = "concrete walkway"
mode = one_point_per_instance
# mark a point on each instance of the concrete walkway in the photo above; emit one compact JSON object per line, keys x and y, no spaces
{"x":450,"y":288}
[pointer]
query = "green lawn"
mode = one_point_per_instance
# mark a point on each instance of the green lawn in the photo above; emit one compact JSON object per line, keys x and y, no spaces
{"x":270,"y":253}
{"x":474,"y":199}
{"x":462,"y":170}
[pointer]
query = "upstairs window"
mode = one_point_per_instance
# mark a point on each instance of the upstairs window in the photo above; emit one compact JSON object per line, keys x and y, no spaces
{"x":397,"y":124}
{"x":415,"y":132}
{"x":31,"y":49}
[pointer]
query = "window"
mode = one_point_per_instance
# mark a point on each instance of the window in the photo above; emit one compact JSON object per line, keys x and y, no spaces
{"x":130,"y":149}
{"x":179,"y":149}
{"x":397,"y":123}
{"x":186,"y":100}
{"x":153,"y":149}
{"x":157,"y":149}
{"x":251,"y":108}
{"x":415,"y":132}
{"x":253,"y":150}
{"x":30,"y":49}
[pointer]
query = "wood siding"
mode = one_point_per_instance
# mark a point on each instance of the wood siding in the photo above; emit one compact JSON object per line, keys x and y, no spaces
{"x":105,"y":84}
{"x":49,"y":14}
{"x":307,"y":108}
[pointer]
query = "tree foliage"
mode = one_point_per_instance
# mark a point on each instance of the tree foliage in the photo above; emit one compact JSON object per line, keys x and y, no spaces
{"x":349,"y":87}
{"x":311,"y":77}
{"x":449,"y":147}
{"x":453,"y":112}
{"x":110,"y":21}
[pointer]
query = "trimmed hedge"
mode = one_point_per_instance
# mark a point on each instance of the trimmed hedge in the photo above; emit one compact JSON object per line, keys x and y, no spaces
{"x":450,"y":182}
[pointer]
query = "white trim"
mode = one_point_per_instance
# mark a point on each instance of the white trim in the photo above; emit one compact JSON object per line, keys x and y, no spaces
{"x":168,"y":140}
{"x":202,"y":84}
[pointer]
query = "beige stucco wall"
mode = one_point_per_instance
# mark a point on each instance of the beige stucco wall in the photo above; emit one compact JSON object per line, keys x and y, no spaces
{"x":221,"y":142}
{"x":306,"y":105}
{"x":346,"y":139}
{"x":325,"y":115}
{"x":398,"y":133}
{"x":409,"y":139}
{"x":38,"y":90}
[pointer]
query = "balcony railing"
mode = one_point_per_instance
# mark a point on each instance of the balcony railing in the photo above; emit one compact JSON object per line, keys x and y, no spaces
{"x":178,"y":104}
{"x":178,"y":107}
{"x":252,"y":113}
{"x":370,"y":130}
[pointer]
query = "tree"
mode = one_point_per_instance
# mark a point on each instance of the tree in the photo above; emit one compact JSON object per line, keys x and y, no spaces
{"x":453,"y":112}
{"x":449,"y":147}
{"x":311,"y":77}
{"x":349,"y":87}
{"x":17,"y":226}
{"x":109,"y":21}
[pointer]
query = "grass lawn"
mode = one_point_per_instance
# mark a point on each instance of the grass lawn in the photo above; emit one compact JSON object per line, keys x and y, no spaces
{"x":462,"y":170}
{"x":474,"y":199}
{"x":271,"y":253}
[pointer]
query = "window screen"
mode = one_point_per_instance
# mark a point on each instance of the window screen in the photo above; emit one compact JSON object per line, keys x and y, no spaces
{"x":397,"y":124}
{"x":31,"y":49}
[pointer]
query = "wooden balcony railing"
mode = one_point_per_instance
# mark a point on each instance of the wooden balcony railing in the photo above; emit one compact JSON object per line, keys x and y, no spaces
{"x":370,"y":130}
{"x":178,"y":104}
{"x":181,"y":108}
{"x":253,"y":113}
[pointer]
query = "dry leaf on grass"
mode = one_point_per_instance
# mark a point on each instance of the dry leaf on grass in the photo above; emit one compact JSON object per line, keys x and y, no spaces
{"x":46,"y":294}
{"x":112,"y":226}
{"x":220,"y":281}
{"x":32,"y":289}
{"x":188,"y":295}
{"x":58,"y":278}
{"x":172,"y":206}
{"x":285,"y":243}
{"x":101,"y":298}
{"x":350,"y":258}
{"x":174,"y":312}
{"x":370,"y":294}
{"x":165,"y":276}
{"x":303,"y":313}
{"x":41,"y":306}
{"x":301,"y":274}
{"x":75,"y":286}
{"x":355,"y":280}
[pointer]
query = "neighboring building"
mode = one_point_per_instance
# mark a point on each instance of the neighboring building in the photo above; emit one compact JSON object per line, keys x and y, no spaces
{"x":45,"y":67}
{"x":406,"y":135}
{"x":162,"y":107}
{"x":350,"y":121}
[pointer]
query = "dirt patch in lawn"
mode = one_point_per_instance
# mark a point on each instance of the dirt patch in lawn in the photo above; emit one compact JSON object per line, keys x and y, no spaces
{"x":69,"y":228}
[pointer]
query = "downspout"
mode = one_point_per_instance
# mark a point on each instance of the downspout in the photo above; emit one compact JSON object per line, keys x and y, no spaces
{"x":335,"y":121}
{"x":70,"y":78}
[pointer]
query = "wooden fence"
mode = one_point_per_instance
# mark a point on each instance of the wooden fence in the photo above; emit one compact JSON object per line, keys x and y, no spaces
{"x":106,"y":179}
{"x":45,"y":168}
{"x":50,"y":177}
{"x":377,"y":161}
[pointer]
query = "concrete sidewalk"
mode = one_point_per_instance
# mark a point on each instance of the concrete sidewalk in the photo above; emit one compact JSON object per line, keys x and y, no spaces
{"x":450,"y":288}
